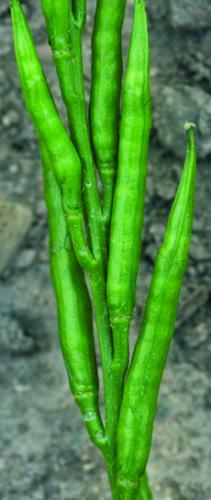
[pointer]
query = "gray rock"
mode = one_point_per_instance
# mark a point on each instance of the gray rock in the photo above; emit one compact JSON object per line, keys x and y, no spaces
{"x":155,"y":12}
{"x":190,"y":306}
{"x":25,"y":259}
{"x":190,"y":15}
{"x":3,"y":8}
{"x":15,"y":221}
{"x":176,"y":105}
{"x":200,"y":335}
{"x":12,"y":338}
{"x":199,"y":251}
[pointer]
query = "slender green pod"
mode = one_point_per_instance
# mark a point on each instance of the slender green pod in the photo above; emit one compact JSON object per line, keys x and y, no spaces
{"x":143,"y":381}
{"x":74,"y":311}
{"x":65,"y":22}
{"x":64,"y":158}
{"x":128,"y":205}
{"x":43,"y":112}
{"x":105,"y":92}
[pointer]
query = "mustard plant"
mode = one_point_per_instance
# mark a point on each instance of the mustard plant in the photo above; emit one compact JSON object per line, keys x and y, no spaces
{"x":98,"y":237}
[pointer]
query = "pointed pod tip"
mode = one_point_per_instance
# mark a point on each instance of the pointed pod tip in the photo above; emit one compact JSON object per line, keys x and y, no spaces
{"x":189,"y":126}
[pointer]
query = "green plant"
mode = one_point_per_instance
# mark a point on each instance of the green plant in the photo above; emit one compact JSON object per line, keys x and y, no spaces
{"x":82,"y":228}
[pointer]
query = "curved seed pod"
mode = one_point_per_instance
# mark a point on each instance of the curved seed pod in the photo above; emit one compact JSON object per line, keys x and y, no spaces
{"x":105,"y":91}
{"x":143,"y":382}
{"x":65,"y":21}
{"x":128,"y":205}
{"x":64,"y":158}
{"x":74,"y":311}
{"x":43,"y":112}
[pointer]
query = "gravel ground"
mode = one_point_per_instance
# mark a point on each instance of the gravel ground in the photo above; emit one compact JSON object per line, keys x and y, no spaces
{"x":44,"y":449}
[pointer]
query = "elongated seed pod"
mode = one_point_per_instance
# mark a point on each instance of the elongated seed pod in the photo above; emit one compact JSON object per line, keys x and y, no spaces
{"x":74,"y":311}
{"x":128,"y":205}
{"x":43,"y":112}
{"x":105,"y":91}
{"x":64,"y":158}
{"x":143,"y":382}
{"x":64,"y":21}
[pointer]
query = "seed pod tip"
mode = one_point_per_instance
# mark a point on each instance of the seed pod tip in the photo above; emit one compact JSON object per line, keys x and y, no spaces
{"x":189,"y":125}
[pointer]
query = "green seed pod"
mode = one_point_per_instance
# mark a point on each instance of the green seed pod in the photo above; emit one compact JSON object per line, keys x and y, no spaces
{"x":64,"y":159}
{"x":43,"y":113}
{"x":65,"y":21}
{"x":128,"y":205}
{"x":143,"y":382}
{"x":106,"y":89}
{"x":106,"y":81}
{"x":74,"y":311}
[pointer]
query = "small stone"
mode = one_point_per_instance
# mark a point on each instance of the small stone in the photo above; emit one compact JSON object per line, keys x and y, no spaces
{"x":11,"y":118}
{"x":87,"y":467}
{"x":12,"y":338}
{"x":157,"y":231}
{"x":41,"y":208}
{"x":96,"y":490}
{"x":13,"y":168}
{"x":15,"y":221}
{"x":199,"y":336}
{"x":6,"y":120}
{"x":22,"y":388}
{"x":198,"y":250}
{"x":25,"y":259}
{"x":85,"y":457}
{"x":166,"y":189}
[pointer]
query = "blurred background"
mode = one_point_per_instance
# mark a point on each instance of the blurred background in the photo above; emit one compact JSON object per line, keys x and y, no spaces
{"x":45,"y":452}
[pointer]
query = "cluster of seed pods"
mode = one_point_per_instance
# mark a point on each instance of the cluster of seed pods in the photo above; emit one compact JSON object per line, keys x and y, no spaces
{"x":99,"y":237}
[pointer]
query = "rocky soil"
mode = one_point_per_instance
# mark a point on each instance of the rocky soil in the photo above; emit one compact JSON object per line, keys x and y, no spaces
{"x":45,"y":452}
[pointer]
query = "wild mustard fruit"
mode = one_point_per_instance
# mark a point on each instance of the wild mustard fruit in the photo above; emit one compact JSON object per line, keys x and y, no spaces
{"x":105,"y":94}
{"x":99,"y":238}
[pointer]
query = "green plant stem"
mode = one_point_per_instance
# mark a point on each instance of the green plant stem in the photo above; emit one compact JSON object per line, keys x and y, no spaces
{"x":144,"y":492}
